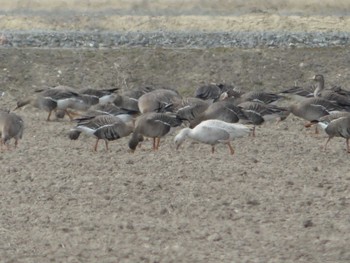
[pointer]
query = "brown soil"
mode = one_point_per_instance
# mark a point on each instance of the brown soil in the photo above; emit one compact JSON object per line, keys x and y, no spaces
{"x":280,"y":198}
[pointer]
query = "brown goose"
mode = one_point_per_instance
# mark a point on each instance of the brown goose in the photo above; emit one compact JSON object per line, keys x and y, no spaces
{"x":259,"y":96}
{"x":312,"y":109}
{"x":11,"y":126}
{"x":50,"y":100}
{"x":258,"y":112}
{"x":191,"y":108}
{"x":221,"y":110}
{"x":298,"y":93}
{"x":103,"y":127}
{"x":159,"y":100}
{"x":153,"y":125}
{"x":330,"y":94}
{"x":337,"y":128}
{"x":214,"y":91}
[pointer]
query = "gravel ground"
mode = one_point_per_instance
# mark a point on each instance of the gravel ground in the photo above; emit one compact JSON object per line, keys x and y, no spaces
{"x":53,"y":39}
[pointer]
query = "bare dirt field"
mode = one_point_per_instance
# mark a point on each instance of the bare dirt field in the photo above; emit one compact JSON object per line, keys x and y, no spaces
{"x":280,"y":198}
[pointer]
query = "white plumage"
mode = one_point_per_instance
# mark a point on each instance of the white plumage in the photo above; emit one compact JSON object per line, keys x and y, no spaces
{"x":213,"y":132}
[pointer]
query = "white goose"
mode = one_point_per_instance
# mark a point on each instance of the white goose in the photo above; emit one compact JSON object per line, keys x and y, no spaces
{"x":213,"y":132}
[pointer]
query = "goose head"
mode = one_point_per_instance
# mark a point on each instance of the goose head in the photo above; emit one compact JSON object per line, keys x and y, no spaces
{"x":22,"y":103}
{"x":320,"y":84}
{"x":181,"y":136}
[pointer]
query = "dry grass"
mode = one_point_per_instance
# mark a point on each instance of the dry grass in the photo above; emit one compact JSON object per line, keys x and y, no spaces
{"x":226,"y":6}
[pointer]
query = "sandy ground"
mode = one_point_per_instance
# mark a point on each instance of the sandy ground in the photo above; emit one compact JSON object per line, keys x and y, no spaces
{"x":280,"y":198}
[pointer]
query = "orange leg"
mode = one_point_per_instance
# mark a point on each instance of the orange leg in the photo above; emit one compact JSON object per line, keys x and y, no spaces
{"x":157,"y":143}
{"x":48,"y":117}
{"x":95,"y":148}
{"x":154,"y":144}
{"x":232,"y":151}
{"x":69,"y":115}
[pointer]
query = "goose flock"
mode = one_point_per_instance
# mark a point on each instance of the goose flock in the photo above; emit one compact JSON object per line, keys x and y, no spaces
{"x":217,"y":113}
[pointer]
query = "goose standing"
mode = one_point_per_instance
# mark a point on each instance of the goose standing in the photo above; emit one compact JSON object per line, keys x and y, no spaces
{"x":153,"y":125}
{"x":329,"y":94}
{"x":213,"y":132}
{"x":11,"y":126}
{"x":337,"y":128}
{"x":50,"y":100}
{"x":103,"y":127}
{"x":312,"y":109}
{"x":221,"y":110}
{"x":258,"y":112}
{"x":159,"y":100}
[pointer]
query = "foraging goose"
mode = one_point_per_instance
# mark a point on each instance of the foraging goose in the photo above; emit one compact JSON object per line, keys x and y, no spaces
{"x":127,"y":103}
{"x":221,"y":110}
{"x":213,"y":132}
{"x":108,"y":109}
{"x":328,"y":118}
{"x":153,"y":125}
{"x":191,"y":108}
{"x":11,"y":126}
{"x":337,"y":128}
{"x":298,"y":93}
{"x":137,"y":92}
{"x":312,"y":109}
{"x":103,"y":127}
{"x":159,"y":100}
{"x":258,"y":112}
{"x":329,"y":94}
{"x":214,"y":91}
{"x":50,"y":100}
{"x":260,"y":96}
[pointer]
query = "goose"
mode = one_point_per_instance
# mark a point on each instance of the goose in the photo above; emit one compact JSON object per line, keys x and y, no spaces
{"x":153,"y":125}
{"x":213,"y":132}
{"x":136,"y":93}
{"x":339,"y":127}
{"x":298,"y":93}
{"x":103,"y":127}
{"x":328,"y":118}
{"x":108,"y":109}
{"x":159,"y":100}
{"x":50,"y":100}
{"x":11,"y":126}
{"x":258,"y":112}
{"x":260,"y":96}
{"x":329,"y":94}
{"x":221,"y":110}
{"x":190,"y":108}
{"x":127,"y":103}
{"x":214,"y":91}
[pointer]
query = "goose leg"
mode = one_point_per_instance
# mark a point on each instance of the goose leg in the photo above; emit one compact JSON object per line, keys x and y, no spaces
{"x":95,"y":148}
{"x":253,"y":133}
{"x":154,"y":144}
{"x":157,"y":143}
{"x":69,"y":115}
{"x":316,"y":130}
{"x":325,"y":146}
{"x":16,"y":143}
{"x":232,"y":151}
{"x":48,"y":117}
{"x":212,"y":149}
{"x":106,"y":143}
{"x":347,"y":145}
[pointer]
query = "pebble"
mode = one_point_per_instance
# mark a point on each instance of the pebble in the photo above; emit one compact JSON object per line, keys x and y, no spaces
{"x":103,"y":39}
